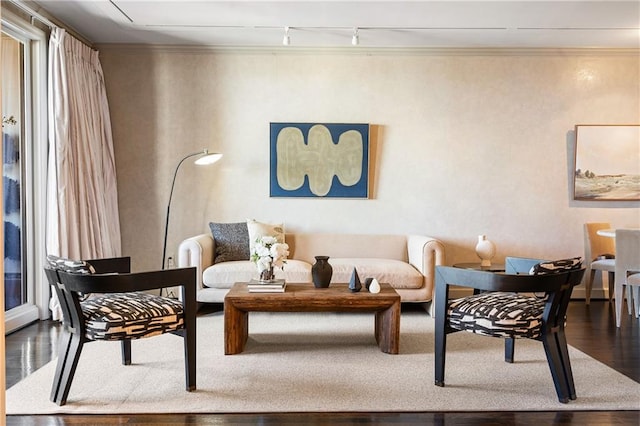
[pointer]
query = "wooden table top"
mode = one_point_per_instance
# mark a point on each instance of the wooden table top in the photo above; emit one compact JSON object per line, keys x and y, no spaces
{"x":306,"y":297}
{"x":308,"y":290}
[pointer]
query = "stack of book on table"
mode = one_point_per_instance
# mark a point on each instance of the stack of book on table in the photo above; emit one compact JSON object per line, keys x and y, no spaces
{"x":273,"y":286}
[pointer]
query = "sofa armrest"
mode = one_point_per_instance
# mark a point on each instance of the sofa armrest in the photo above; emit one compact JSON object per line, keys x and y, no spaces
{"x":197,"y":251}
{"x":424,"y":254}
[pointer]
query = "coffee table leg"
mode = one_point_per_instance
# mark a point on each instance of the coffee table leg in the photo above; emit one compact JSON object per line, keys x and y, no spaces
{"x":387,"y":329}
{"x":236,"y":329}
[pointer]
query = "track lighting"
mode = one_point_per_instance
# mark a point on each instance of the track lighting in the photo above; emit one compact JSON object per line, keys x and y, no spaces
{"x":355,"y":40}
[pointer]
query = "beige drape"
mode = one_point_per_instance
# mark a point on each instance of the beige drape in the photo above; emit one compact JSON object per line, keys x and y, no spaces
{"x":82,"y":198}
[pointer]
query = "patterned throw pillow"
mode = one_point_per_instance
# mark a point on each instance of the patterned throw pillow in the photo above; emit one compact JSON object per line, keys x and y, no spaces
{"x":556,"y":266}
{"x":232,"y":241}
{"x":68,"y":265}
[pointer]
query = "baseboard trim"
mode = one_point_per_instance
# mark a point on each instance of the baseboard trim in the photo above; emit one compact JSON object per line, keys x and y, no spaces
{"x":19,"y":317}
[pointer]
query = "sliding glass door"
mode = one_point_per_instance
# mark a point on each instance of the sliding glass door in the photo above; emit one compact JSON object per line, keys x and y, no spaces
{"x":12,"y":135}
{"x":26,"y":293}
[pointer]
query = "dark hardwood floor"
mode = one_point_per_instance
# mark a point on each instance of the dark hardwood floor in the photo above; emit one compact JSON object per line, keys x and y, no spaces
{"x":590,"y":329}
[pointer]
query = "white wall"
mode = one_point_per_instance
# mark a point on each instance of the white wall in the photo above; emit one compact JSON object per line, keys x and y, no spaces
{"x":464,"y":143}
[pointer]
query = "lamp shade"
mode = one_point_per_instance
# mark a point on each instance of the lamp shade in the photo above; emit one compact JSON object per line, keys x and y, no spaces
{"x":208,"y":158}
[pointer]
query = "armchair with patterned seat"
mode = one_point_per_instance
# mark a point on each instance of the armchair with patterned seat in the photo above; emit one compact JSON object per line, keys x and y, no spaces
{"x":102,"y":300}
{"x":528,"y":301}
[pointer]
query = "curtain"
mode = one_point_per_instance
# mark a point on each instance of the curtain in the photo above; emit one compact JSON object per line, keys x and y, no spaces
{"x":82,"y":197}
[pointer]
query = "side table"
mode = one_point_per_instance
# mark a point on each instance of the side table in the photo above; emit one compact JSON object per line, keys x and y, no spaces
{"x":476,"y":266}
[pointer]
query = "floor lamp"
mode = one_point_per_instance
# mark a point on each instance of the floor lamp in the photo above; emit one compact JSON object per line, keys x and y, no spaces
{"x":204,"y":157}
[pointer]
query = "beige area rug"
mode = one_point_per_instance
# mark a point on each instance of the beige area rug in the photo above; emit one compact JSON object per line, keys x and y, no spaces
{"x":321,"y":362}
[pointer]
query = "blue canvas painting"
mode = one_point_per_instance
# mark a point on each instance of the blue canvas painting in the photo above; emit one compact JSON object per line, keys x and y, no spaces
{"x":319,"y":160}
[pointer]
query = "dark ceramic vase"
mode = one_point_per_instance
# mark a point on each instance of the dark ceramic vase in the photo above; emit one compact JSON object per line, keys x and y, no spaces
{"x":321,"y":272}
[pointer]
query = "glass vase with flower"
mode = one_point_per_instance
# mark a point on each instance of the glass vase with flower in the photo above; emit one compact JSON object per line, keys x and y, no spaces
{"x":267,"y":253}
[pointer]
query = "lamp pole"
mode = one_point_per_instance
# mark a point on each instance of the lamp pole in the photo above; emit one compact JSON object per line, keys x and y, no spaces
{"x":205,"y":157}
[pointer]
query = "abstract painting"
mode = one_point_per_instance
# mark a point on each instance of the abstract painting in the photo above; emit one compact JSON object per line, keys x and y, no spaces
{"x":319,"y":160}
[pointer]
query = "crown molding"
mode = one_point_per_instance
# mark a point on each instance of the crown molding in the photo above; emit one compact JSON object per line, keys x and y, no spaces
{"x":367,"y":51}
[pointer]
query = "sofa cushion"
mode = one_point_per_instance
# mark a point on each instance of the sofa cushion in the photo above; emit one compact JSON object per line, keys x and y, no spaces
{"x":231,"y":241}
{"x":224,"y":275}
{"x":306,"y":246}
{"x":395,"y":272}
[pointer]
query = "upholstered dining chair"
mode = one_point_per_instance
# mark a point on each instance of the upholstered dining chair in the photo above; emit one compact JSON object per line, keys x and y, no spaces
{"x":498,"y":308}
{"x":599,"y":255}
{"x":102,"y":300}
{"x":627,"y":271}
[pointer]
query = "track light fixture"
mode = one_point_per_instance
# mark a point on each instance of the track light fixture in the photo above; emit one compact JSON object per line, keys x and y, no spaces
{"x":355,"y":40}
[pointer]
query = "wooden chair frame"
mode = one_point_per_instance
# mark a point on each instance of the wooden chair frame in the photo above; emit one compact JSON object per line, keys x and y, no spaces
{"x":113,"y":276}
{"x":557,"y":288}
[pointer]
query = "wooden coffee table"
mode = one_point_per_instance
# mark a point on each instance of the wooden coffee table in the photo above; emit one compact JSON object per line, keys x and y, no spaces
{"x":306,"y":298}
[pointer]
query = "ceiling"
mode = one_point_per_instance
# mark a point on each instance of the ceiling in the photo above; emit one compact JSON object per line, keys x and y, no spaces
{"x":379,"y":24}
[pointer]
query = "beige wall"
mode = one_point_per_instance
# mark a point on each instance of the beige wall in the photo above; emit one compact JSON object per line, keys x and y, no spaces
{"x":466,"y":144}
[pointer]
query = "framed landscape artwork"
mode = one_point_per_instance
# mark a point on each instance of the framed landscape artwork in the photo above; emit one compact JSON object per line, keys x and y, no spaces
{"x":319,"y":160}
{"x":607,"y":162}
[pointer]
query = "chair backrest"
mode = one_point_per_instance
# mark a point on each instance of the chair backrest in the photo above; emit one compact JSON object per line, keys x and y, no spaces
{"x":519,"y":265}
{"x":627,"y":250}
{"x":596,"y":245}
{"x":557,"y":286}
{"x":69,"y":302}
{"x":557,"y":301}
{"x":68,"y":296}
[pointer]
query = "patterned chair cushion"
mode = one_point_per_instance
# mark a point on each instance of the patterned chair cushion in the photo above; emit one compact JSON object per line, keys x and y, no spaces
{"x":556,"y":266}
{"x":118,"y":316}
{"x":498,"y":314}
{"x":68,"y":265}
{"x":72,"y":267}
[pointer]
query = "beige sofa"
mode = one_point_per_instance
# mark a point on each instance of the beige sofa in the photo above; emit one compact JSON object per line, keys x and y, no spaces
{"x":406,"y":262}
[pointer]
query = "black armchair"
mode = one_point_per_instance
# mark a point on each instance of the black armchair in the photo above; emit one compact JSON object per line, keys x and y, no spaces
{"x":120,"y":310}
{"x":499,"y":309}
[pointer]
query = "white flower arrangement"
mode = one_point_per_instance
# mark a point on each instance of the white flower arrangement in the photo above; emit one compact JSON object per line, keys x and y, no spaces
{"x":268,"y":253}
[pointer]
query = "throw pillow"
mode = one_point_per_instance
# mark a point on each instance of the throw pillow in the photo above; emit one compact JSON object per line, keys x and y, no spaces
{"x":556,"y":266}
{"x":232,"y":241}
{"x":259,"y":229}
{"x":68,"y":265}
